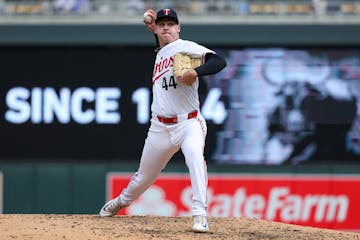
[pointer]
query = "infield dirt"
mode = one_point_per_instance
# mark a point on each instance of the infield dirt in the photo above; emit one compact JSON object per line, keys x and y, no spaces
{"x":93,"y":227}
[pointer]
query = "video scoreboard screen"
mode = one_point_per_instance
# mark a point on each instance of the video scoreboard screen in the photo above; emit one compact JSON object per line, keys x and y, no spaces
{"x":268,"y":106}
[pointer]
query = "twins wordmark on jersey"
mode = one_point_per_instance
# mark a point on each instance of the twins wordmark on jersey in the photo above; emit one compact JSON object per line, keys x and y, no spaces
{"x":163,"y":71}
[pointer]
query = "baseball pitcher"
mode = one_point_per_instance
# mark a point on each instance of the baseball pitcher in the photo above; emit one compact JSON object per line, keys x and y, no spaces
{"x":176,"y":121}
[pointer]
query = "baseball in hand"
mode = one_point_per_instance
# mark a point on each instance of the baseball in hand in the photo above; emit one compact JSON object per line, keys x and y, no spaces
{"x":147,"y":17}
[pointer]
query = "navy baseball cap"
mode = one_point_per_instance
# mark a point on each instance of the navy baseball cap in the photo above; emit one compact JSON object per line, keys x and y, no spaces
{"x":166,"y":13}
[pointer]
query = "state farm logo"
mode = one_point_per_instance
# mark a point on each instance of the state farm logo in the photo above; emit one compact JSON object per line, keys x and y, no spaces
{"x":279,"y":205}
{"x":152,"y":202}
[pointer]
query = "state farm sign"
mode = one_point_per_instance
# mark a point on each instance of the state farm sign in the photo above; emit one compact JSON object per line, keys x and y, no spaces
{"x":328,"y":201}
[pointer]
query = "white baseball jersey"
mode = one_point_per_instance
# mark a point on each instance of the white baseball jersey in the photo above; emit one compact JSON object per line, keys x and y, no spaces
{"x":171,"y":97}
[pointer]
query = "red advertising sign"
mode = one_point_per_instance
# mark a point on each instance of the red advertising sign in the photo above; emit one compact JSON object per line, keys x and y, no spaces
{"x":327,"y":201}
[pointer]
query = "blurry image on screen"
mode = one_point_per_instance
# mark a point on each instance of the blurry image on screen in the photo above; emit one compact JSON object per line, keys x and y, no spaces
{"x":289,"y":106}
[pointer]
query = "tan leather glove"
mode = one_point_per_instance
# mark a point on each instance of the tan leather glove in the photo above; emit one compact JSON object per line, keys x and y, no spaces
{"x":183,"y":62}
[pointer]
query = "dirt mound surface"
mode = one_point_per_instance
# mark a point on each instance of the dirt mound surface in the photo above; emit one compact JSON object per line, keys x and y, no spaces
{"x":92,"y":227}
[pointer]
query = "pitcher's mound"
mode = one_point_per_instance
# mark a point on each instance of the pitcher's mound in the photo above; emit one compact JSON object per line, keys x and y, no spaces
{"x":92,"y":227}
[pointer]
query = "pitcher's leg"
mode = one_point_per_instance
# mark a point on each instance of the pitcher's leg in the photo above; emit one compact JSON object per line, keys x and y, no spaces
{"x":156,"y":153}
{"x":193,"y":150}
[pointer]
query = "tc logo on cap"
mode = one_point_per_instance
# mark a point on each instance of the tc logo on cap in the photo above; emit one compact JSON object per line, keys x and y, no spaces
{"x":166,"y":11}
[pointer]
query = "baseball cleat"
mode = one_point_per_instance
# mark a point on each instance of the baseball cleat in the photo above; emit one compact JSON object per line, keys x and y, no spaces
{"x":111,"y":208}
{"x":200,"y":224}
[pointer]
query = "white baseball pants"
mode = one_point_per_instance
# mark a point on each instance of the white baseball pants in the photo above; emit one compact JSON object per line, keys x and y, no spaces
{"x":162,"y":142}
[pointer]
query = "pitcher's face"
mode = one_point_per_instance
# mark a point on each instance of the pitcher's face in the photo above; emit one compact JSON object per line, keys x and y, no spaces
{"x":167,"y":31}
